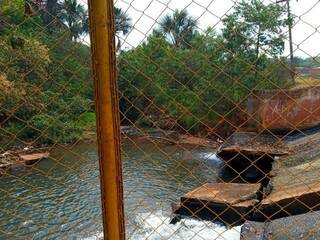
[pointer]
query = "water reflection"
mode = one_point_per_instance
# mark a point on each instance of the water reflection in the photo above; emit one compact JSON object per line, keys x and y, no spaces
{"x":60,"y":197}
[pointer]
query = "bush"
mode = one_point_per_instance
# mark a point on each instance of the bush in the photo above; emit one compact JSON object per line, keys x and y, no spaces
{"x":45,"y":80}
{"x":196,"y":86}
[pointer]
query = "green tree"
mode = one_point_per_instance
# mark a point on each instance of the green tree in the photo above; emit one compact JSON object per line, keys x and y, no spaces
{"x":122,"y":24}
{"x":178,"y":28}
{"x":45,"y":88}
{"x":253,"y":38}
{"x":75,"y":17}
{"x":182,"y":83}
{"x":268,"y":21}
{"x":255,"y":26}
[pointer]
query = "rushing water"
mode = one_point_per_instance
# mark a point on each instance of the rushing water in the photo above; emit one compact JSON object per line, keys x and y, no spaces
{"x":59,"y":198}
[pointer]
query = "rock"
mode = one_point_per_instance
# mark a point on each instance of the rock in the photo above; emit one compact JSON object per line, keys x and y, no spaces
{"x":29,"y":159}
{"x":302,"y":226}
{"x":252,"y":231}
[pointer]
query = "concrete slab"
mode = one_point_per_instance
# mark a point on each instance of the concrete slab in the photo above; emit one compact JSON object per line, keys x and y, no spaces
{"x":305,"y":226}
{"x":295,"y":191}
{"x":254,"y":144}
{"x":303,"y":149}
{"x":251,"y":155}
{"x":229,"y":203}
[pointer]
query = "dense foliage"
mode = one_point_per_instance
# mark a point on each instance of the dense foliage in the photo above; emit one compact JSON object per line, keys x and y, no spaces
{"x":46,"y":89}
{"x":307,"y":62}
{"x":199,"y":79}
{"x":193,"y":79}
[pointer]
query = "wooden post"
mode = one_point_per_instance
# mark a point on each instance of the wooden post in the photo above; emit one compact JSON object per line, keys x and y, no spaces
{"x":108,"y":130}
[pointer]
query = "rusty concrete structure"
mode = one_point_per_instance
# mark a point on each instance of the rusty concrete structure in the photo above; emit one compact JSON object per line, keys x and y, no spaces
{"x":284,"y":110}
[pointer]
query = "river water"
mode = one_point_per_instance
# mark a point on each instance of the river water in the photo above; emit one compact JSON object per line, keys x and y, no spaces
{"x":59,"y":198}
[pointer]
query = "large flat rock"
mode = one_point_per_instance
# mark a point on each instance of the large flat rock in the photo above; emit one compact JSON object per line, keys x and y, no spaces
{"x":230,"y":203}
{"x":295,"y":191}
{"x":33,"y":157}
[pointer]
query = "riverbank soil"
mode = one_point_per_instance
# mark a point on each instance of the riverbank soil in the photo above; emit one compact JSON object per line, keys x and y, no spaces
{"x":168,"y":137}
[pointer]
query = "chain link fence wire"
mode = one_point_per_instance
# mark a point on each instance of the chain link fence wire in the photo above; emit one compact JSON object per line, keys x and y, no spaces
{"x":219,"y":119}
{"x":219,"y":115}
{"x":49,"y":180}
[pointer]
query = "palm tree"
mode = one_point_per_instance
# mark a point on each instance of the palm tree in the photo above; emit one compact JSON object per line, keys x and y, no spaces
{"x":122,"y":24}
{"x":178,"y":28}
{"x":75,"y":17}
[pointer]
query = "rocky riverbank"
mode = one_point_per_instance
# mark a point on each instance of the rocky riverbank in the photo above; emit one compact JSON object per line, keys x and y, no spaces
{"x":21,"y":157}
{"x":169,"y":137}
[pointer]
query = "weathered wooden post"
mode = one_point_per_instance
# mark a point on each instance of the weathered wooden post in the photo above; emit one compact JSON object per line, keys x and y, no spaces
{"x":108,"y":130}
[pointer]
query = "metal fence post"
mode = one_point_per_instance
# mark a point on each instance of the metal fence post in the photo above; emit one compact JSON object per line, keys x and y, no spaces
{"x":104,"y":71}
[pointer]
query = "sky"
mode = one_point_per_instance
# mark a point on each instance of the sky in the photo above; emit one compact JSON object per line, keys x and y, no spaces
{"x":146,"y":14}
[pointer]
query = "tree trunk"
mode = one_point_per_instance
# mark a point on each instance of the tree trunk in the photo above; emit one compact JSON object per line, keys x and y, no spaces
{"x":292,"y":67}
{"x":257,"y":53}
{"x":118,"y":44}
{"x":50,"y":12}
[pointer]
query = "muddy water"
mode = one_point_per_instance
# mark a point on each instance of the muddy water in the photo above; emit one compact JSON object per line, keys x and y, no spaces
{"x":59,"y":198}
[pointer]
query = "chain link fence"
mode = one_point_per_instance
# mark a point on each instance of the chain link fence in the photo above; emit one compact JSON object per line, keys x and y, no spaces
{"x":49,"y":166}
{"x":219,"y":115}
{"x":219,"y":112}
